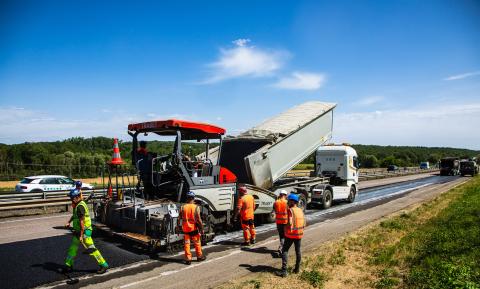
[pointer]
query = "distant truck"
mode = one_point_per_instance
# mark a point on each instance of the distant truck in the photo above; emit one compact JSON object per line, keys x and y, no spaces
{"x":424,"y":165}
{"x":449,"y":166}
{"x":468,"y":167}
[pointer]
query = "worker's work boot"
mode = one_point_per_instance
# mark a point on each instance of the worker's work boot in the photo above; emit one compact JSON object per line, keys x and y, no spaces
{"x":201,"y":258}
{"x":246,"y":243}
{"x":282,"y":273}
{"x":102,"y":269}
{"x":252,"y":241}
{"x":296,"y":270}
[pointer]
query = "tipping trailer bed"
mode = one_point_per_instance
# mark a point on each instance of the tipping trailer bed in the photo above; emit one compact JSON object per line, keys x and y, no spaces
{"x":262,"y":155}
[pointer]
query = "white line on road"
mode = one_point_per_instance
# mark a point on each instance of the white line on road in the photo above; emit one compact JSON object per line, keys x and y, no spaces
{"x":34,"y":219}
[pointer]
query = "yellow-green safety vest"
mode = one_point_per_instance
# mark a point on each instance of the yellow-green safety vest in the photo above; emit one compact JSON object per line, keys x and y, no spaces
{"x":87,"y":222}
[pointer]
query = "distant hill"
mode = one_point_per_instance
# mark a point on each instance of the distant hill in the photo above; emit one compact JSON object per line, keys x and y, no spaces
{"x":84,"y":157}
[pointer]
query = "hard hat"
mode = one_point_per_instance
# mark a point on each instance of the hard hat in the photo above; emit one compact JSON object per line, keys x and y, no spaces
{"x":74,"y":193}
{"x":78,"y":184}
{"x":283,"y":192}
{"x":293,"y":197}
{"x":190,"y":194}
{"x":242,"y":190}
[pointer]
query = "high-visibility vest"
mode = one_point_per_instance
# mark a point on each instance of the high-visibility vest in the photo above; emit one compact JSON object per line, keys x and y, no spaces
{"x":87,"y":222}
{"x":189,"y":217}
{"x":281,"y":214}
{"x":295,"y":229}
{"x":247,"y":206}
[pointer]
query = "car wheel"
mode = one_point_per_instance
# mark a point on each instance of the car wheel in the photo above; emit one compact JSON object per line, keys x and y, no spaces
{"x":352,"y":195}
{"x":327,"y":199}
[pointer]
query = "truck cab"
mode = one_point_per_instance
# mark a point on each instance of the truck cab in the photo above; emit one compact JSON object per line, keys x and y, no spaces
{"x":340,"y":164}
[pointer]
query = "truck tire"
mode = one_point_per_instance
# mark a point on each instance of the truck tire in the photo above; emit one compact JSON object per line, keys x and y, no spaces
{"x":327,"y":199}
{"x":302,"y":202}
{"x":352,"y":195}
{"x":268,"y":218}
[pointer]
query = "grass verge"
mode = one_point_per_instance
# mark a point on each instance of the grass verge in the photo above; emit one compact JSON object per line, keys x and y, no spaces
{"x":433,"y":245}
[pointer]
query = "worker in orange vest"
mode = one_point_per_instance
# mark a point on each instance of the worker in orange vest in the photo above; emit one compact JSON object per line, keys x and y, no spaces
{"x":281,"y":214}
{"x":246,"y":207}
{"x":293,"y":234}
{"x":192,"y":228}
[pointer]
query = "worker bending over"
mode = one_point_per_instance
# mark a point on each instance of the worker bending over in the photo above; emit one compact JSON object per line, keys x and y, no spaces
{"x":192,"y":228}
{"x":281,"y":217}
{"x":293,"y":234}
{"x":246,"y":207}
{"x":82,"y":227}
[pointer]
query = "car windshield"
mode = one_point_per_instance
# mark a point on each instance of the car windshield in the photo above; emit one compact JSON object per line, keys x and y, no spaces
{"x":26,"y":181}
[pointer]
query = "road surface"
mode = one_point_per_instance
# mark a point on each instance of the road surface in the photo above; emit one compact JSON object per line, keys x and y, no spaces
{"x":33,"y":248}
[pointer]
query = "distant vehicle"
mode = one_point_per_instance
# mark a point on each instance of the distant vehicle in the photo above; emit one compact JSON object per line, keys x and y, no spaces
{"x":45,"y":183}
{"x":392,"y":168}
{"x":424,"y":165}
{"x":468,"y":168}
{"x":449,"y":166}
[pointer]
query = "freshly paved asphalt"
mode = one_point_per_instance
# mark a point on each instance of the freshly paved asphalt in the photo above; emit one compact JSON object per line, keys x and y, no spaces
{"x":34,"y":262}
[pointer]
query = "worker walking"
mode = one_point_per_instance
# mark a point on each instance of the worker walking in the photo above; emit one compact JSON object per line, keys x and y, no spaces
{"x":192,"y":228}
{"x":82,"y":227}
{"x":281,"y":217}
{"x":293,"y":234}
{"x":246,"y":207}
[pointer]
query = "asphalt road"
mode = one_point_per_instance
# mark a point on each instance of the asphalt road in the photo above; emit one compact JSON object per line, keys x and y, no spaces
{"x":33,"y":262}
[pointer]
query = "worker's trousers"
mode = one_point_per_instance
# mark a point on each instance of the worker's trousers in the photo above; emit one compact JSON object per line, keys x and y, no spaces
{"x":248,"y":227}
{"x":281,"y":235}
{"x":88,"y":242}
{"x":189,"y":238}
{"x":286,"y":246}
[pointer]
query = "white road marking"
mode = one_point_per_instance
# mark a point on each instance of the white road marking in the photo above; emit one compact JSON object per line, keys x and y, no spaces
{"x":33,"y":219}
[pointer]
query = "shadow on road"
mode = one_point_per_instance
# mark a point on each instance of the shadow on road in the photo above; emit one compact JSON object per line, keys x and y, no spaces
{"x":259,"y":268}
{"x":55,"y":267}
{"x":262,"y":250}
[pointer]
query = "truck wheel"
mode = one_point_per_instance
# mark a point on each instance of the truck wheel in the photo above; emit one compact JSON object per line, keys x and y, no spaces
{"x":302,"y":202}
{"x":269,"y":218}
{"x":327,"y":199}
{"x":352,"y":195}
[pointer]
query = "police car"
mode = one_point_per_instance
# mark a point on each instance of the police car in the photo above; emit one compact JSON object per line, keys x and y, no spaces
{"x":47,"y":183}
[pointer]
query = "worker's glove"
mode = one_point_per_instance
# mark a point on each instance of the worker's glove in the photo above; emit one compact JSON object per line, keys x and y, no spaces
{"x":67,"y":225}
{"x":177,"y":230}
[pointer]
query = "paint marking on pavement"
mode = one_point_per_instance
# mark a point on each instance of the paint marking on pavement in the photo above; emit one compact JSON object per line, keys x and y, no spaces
{"x":33,"y":219}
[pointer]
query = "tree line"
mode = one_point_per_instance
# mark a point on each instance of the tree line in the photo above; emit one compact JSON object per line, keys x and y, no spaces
{"x":86,"y":157}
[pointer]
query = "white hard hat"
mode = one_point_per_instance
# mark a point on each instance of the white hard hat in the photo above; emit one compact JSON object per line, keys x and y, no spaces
{"x":283,"y":192}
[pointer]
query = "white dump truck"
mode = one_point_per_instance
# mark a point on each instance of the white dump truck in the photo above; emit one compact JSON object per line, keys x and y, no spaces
{"x":260,"y":157}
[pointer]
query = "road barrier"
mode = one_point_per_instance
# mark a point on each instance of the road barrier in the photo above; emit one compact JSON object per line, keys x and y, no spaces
{"x":13,"y":200}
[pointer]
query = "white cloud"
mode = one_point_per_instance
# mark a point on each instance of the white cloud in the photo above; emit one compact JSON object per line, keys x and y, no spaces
{"x":462,"y":76}
{"x":245,"y":61}
{"x":301,"y":80}
{"x":369,"y":100}
{"x":441,"y":125}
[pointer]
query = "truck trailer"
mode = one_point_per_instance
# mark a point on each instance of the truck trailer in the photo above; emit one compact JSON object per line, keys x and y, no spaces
{"x":449,"y":166}
{"x":468,"y":167}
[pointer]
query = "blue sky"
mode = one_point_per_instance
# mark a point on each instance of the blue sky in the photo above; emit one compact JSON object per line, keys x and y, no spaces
{"x":401,"y":72}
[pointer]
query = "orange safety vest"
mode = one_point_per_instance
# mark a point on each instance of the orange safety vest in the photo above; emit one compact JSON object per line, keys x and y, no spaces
{"x":281,"y":215}
{"x":295,"y":229}
{"x":247,"y":206}
{"x":189,"y":220}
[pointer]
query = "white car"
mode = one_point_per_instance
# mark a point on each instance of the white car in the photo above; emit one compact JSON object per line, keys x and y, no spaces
{"x":48,"y":183}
